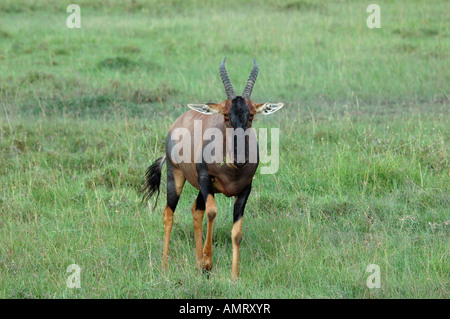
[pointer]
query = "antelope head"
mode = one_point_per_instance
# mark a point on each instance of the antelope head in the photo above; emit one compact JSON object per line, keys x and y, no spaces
{"x":238,"y":111}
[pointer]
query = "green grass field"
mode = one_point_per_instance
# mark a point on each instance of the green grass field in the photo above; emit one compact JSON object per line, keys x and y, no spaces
{"x":363,"y":177}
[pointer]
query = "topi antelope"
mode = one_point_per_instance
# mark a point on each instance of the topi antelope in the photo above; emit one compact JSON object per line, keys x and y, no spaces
{"x":233,"y":178}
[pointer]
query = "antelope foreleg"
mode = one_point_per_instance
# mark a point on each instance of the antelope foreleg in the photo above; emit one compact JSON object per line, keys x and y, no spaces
{"x":211,"y":211}
{"x":236,"y":232}
{"x":198,"y":210}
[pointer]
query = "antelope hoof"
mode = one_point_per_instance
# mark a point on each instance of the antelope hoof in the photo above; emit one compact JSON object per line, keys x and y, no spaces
{"x":207,"y":264}
{"x":206,"y":270}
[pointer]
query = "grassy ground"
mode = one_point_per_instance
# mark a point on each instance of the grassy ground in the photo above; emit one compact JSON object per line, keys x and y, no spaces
{"x":363,"y":178}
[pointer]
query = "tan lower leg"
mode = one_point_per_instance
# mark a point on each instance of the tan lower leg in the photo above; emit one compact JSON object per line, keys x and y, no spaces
{"x":168,"y":222}
{"x":211,"y":211}
{"x":197,"y":216}
{"x":236,"y":237}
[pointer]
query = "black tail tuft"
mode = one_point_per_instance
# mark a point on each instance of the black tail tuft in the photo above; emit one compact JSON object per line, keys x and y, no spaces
{"x":152,"y":180}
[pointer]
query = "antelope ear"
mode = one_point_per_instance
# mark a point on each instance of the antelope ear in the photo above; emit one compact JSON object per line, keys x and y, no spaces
{"x":206,"y":108}
{"x":268,"y":108}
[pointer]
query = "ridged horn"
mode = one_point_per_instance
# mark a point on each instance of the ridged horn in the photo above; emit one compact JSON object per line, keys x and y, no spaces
{"x":251,"y":80}
{"x":226,"y":81}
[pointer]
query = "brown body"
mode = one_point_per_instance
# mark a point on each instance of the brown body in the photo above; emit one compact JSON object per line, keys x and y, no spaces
{"x":226,"y":177}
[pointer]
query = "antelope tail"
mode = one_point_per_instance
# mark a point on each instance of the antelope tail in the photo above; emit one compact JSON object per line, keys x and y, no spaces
{"x":153,"y":180}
